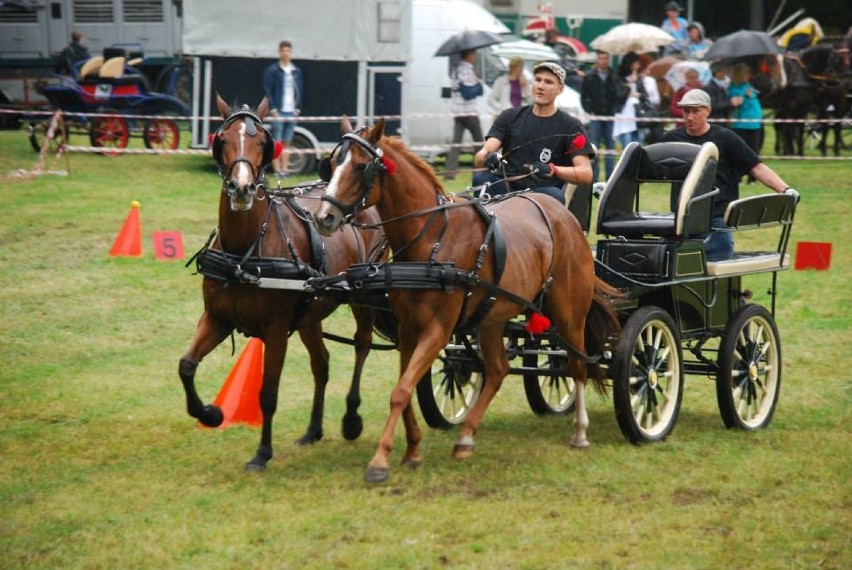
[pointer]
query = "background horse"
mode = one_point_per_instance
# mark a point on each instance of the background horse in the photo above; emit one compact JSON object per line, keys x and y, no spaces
{"x":545,"y":258}
{"x":257,"y":225}
{"x":817,"y":81}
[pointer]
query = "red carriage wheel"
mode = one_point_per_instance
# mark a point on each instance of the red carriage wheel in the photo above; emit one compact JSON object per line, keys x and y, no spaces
{"x":109,"y":131}
{"x":161,"y":134}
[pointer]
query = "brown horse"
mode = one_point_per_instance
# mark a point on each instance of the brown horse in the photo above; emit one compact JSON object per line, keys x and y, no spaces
{"x":264,"y":232}
{"x":546,"y":258}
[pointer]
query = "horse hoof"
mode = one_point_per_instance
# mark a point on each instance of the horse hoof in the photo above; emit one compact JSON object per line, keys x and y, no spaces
{"x":353,"y":425}
{"x":212,"y":416}
{"x":255,"y":466}
{"x":376,"y":474}
{"x":411,"y":463}
{"x":462,"y":451}
{"x":579,"y":443}
{"x":309,"y":438}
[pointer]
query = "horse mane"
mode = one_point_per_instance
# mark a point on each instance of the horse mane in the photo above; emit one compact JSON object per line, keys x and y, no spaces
{"x":397,"y":145}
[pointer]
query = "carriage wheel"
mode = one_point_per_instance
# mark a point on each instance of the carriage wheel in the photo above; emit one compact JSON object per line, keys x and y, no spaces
{"x":447,"y":392}
{"x":38,"y":136}
{"x":161,"y":134}
{"x":301,"y":158}
{"x":109,"y":131}
{"x":647,"y":376}
{"x":749,"y":379}
{"x":549,"y":390}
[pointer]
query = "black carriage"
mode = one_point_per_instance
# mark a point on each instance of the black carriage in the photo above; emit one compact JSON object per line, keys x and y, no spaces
{"x":108,"y":100}
{"x":681,"y":314}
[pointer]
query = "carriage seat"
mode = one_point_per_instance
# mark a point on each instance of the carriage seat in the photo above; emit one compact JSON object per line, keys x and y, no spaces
{"x":578,"y":200}
{"x":690,"y":169}
{"x":755,"y":212}
{"x":91,"y":65}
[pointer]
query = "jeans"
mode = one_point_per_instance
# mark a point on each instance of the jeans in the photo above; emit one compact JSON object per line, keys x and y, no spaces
{"x":460,"y":125}
{"x":498,"y":189}
{"x":283,"y":130}
{"x":625,"y":139}
{"x":600,"y":133}
{"x":719,"y":246}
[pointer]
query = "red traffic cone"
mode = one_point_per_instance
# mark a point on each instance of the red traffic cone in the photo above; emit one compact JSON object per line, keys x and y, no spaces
{"x":239,"y":398}
{"x":128,"y":243}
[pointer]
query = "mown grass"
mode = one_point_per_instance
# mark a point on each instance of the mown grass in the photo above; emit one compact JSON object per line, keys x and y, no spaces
{"x":102,"y":468}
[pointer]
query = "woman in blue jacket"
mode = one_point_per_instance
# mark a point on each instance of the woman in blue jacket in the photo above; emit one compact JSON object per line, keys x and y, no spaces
{"x":747,"y":114}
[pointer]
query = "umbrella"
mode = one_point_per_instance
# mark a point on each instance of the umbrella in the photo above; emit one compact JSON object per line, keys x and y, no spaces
{"x":467,"y":40}
{"x":742,"y":44}
{"x":632,"y":37}
{"x":676,"y":75}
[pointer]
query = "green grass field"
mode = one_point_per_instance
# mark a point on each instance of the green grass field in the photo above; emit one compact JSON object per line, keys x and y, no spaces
{"x":100,"y":467}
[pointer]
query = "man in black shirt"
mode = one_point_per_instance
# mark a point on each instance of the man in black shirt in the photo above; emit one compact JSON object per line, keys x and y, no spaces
{"x":538,"y":138}
{"x":735,"y":159}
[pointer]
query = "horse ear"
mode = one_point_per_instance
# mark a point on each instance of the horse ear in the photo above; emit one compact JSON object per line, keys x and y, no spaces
{"x":345,"y":125}
{"x":223,"y":107}
{"x":263,"y":108}
{"x":378,"y":131}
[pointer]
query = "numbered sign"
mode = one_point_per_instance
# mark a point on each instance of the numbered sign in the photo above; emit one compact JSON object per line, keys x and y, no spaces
{"x":168,"y":245}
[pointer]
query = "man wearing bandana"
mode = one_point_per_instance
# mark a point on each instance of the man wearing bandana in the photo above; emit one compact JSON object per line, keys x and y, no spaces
{"x":539,"y":139}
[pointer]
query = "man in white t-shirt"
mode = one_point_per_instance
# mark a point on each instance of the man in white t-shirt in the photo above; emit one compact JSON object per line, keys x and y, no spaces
{"x":283,"y":84}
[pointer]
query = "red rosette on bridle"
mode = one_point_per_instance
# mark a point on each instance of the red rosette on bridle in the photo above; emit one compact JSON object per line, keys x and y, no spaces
{"x":279,"y":148}
{"x":390,"y":166}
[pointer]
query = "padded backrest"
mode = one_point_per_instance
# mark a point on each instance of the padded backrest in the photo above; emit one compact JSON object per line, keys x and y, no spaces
{"x":690,"y":170}
{"x":113,"y":68}
{"x":91,"y":66}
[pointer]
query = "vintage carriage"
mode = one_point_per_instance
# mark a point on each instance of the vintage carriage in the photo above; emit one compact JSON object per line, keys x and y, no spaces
{"x":108,"y":100}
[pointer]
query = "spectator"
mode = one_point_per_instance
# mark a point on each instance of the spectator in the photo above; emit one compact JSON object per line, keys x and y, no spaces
{"x":735,"y":159}
{"x":624,"y":129}
{"x":696,"y":44}
{"x":284,"y":85}
{"x":510,"y":89}
{"x":603,"y":94}
{"x":675,"y":25}
{"x":693,"y":81}
{"x":73,"y":54}
{"x":466,"y":88}
{"x":746,"y":119}
{"x":537,"y":138}
{"x":717,"y":88}
{"x":653,"y":133}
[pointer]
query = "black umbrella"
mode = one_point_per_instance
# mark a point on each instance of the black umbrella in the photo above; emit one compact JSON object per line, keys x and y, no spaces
{"x":742,"y":44}
{"x":467,"y":40}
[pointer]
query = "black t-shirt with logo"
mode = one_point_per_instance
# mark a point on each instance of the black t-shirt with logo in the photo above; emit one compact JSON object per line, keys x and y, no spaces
{"x":527,"y":138}
{"x":736,"y":158}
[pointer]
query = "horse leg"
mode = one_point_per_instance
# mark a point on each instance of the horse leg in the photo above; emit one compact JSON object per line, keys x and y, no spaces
{"x":208,"y":335}
{"x":496,"y":368}
{"x":417,"y":353}
{"x":274,"y":351}
{"x":353,"y":425}
{"x":312,"y":339}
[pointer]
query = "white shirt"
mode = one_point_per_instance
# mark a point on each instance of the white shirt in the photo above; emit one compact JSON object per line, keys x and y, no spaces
{"x":288,"y":105}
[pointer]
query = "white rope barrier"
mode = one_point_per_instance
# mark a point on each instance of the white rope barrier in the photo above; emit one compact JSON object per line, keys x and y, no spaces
{"x":845,"y":123}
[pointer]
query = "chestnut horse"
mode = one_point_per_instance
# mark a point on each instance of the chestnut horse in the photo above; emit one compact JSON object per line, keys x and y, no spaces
{"x":260,"y":226}
{"x":547,"y":259}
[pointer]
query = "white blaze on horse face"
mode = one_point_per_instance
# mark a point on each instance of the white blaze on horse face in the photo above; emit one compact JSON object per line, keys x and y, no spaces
{"x":333,"y":186}
{"x":243,"y":174}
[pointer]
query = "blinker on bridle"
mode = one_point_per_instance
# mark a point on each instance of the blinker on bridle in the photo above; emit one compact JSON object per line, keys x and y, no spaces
{"x":368,"y":175}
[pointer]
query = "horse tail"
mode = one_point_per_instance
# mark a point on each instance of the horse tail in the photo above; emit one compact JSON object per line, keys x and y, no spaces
{"x":602,"y":329}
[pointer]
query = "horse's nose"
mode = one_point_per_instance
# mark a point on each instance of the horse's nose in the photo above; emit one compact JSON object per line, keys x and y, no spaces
{"x":327,"y":224}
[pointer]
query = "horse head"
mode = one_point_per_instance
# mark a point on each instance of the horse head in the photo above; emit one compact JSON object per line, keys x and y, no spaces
{"x":243,"y":148}
{"x":352,"y":171}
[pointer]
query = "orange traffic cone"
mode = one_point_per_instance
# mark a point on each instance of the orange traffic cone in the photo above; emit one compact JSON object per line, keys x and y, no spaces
{"x":239,"y":398}
{"x":128,"y":243}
